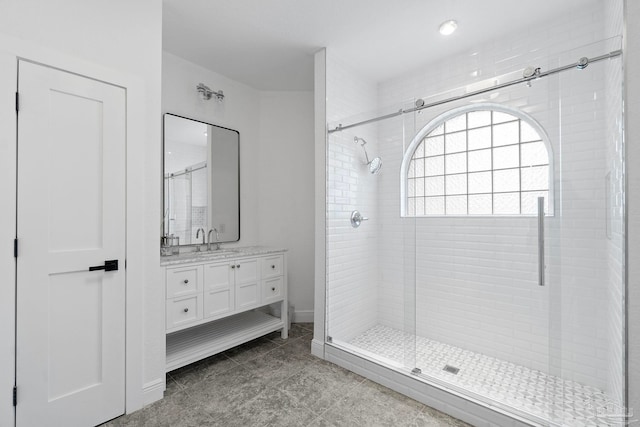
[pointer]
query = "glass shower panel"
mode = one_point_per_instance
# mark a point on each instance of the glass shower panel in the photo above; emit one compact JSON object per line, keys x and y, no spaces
{"x":370,"y":267}
{"x":482,"y":320}
{"x":409,"y":241}
{"x":585,"y":266}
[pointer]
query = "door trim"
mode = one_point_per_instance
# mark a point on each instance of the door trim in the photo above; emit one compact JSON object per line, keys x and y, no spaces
{"x":142,"y":222}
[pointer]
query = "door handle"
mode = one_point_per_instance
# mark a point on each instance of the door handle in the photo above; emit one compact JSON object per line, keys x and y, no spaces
{"x":111,"y":265}
{"x":541,"y":241}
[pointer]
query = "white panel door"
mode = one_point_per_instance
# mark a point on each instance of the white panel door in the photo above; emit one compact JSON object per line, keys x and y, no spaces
{"x":70,"y":331}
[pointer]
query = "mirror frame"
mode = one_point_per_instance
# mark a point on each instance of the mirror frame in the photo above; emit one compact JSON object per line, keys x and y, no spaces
{"x":162,"y":210}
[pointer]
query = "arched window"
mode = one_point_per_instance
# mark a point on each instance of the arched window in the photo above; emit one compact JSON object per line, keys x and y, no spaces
{"x":479,"y":160}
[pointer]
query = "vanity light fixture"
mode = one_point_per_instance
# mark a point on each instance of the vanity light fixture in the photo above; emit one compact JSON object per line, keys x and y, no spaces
{"x":448,"y":27}
{"x":206,"y":93}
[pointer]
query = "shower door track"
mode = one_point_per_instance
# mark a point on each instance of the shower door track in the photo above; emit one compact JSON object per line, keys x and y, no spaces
{"x":529,"y":74}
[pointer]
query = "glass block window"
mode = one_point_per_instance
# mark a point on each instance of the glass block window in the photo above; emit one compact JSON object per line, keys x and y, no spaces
{"x":478,"y":162}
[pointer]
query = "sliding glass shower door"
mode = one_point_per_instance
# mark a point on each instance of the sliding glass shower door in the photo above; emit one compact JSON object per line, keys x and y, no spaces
{"x":518,"y":199}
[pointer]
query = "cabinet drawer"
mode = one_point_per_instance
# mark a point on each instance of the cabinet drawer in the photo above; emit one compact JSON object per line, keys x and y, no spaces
{"x":182,"y":311}
{"x":183,"y":281}
{"x":273,"y":289}
{"x":272,"y":266}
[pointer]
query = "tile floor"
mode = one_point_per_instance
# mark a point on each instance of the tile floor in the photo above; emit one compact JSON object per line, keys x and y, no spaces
{"x":276,"y":382}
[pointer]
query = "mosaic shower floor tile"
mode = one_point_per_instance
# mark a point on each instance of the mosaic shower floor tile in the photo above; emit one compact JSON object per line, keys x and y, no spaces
{"x":527,"y":392}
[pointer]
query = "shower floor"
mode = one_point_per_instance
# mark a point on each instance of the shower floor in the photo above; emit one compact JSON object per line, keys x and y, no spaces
{"x":527,"y":392}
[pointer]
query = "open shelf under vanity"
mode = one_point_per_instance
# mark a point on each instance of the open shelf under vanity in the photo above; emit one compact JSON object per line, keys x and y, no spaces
{"x":190,"y":345}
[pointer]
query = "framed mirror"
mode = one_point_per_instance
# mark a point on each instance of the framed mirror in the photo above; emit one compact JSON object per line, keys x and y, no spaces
{"x":201,"y":181}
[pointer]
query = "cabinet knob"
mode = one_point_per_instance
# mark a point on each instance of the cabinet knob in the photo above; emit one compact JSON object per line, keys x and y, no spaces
{"x":233,"y":266}
{"x":238,"y":265}
{"x":273,"y":266}
{"x":186,"y":310}
{"x":186,"y":281}
{"x":273,"y":289}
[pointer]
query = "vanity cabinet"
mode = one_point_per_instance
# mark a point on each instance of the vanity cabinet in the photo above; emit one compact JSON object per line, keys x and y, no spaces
{"x":214,"y":304}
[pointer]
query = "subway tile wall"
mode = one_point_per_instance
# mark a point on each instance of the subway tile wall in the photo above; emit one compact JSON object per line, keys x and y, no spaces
{"x":476,"y":283}
{"x":352,"y":256}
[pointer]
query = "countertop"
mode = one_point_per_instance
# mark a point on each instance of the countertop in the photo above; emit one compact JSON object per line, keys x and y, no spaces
{"x":217,"y":255}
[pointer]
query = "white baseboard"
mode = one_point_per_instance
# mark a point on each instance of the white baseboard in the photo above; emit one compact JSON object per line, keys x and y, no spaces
{"x":317,"y":348}
{"x":303,"y":316}
{"x":153,"y":391}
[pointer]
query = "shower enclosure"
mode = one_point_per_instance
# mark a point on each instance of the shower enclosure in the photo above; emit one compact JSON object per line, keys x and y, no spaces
{"x":492,"y":262}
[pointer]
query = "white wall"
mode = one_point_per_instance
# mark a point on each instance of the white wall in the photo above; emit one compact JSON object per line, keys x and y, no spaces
{"x":286,"y":189}
{"x":320,"y":202}
{"x":119,"y":42}
{"x":276,"y":162}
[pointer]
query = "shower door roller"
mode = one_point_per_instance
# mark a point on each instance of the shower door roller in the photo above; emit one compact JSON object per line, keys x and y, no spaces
{"x":357,"y":218}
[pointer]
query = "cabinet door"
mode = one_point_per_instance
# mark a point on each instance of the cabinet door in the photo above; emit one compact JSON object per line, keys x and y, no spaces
{"x":219,"y":302}
{"x":219,"y":290}
{"x":218,"y":276}
{"x":247,"y":296}
{"x":247,"y":271}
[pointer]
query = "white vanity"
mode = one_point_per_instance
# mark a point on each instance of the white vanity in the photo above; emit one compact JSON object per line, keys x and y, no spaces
{"x":217,"y":300}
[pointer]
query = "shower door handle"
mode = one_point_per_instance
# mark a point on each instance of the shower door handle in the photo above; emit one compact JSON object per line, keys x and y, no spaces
{"x":541,"y":241}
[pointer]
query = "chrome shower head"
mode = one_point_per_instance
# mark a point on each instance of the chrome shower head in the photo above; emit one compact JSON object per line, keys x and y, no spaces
{"x":376,"y":163}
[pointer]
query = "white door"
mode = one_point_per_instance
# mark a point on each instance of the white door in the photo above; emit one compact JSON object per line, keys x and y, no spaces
{"x":70,"y":326}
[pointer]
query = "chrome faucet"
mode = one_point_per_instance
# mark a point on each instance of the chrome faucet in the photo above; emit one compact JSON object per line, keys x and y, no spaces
{"x":217,"y":238}
{"x":198,"y":235}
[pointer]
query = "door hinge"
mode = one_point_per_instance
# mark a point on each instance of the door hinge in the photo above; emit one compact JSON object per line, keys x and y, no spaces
{"x":15,"y":396}
{"x":17,"y":102}
{"x":15,"y":248}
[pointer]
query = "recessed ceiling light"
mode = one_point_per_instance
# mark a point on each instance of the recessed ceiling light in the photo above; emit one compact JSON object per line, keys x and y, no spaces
{"x":448,"y":27}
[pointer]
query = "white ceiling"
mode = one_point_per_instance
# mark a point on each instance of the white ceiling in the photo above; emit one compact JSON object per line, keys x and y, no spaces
{"x":269,"y":44}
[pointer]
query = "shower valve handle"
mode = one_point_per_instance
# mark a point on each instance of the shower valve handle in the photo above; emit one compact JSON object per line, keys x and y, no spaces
{"x":357,"y":218}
